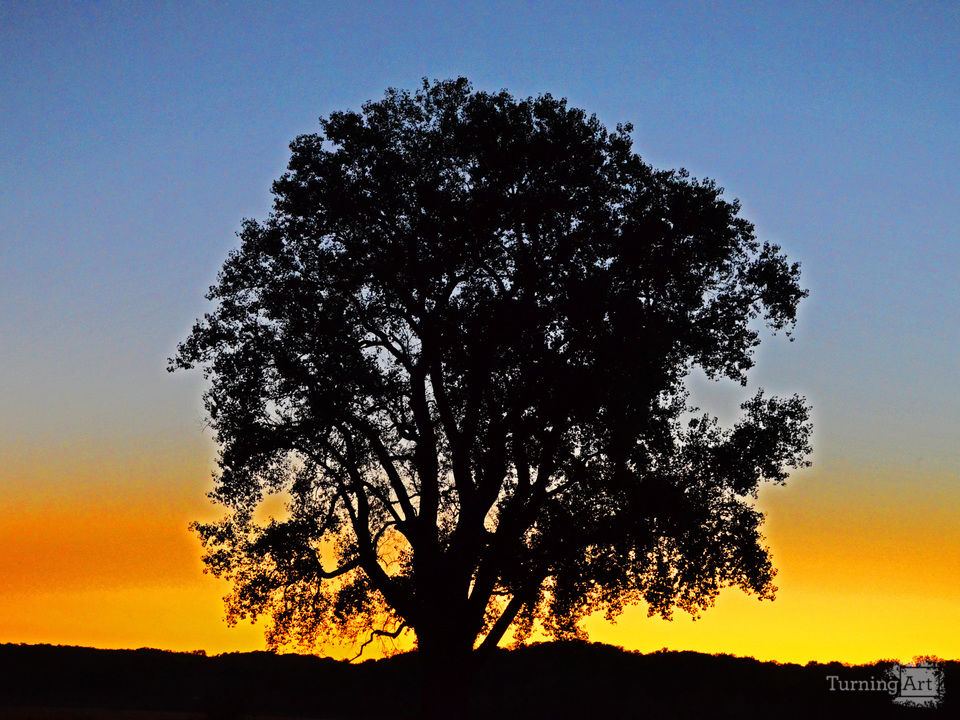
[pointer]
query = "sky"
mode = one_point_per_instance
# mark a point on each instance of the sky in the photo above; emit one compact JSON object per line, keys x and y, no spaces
{"x":135,"y":137}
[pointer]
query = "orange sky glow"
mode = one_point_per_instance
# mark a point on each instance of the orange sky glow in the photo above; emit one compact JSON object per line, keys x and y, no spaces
{"x":867,"y":569}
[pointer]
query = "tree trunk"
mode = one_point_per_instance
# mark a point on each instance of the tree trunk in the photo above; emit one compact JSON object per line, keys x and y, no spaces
{"x":446,"y":674}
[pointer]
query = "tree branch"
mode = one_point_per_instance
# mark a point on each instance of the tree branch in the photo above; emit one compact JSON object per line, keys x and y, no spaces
{"x":383,"y":457}
{"x":380,"y":633}
{"x":507,"y":617}
{"x":425,"y":455}
{"x":342,"y":570}
{"x":360,"y":520}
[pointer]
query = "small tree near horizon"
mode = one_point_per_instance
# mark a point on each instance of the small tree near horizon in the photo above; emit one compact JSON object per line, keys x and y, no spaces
{"x":458,"y":346}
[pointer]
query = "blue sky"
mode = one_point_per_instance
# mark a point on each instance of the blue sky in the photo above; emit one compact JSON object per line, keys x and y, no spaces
{"x":136,"y":136}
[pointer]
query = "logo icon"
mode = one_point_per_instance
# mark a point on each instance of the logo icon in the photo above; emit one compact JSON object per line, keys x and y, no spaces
{"x":920,"y":684}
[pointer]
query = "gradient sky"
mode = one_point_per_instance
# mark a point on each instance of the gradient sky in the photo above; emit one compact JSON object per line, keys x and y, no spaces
{"x":135,"y":136}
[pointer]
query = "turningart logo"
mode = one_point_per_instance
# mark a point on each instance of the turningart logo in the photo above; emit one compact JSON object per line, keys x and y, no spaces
{"x":917,"y":685}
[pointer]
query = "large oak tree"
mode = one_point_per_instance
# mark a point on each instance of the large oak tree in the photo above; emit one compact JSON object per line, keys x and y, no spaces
{"x":458,"y":346}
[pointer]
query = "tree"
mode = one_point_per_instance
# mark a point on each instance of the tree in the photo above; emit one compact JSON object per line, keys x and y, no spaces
{"x":458,"y":346}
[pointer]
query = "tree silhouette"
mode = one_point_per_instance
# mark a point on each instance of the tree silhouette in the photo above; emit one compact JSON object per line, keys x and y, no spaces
{"x":458,"y":346}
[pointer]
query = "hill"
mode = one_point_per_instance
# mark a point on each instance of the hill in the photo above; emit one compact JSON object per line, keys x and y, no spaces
{"x":550,"y":680}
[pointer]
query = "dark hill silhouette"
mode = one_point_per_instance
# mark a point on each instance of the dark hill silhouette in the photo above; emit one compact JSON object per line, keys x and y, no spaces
{"x":550,"y":680}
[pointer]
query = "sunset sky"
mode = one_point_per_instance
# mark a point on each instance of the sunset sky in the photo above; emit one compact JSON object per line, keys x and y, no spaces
{"x":134,"y":137}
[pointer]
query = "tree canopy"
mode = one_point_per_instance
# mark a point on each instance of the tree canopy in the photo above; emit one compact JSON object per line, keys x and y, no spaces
{"x":458,"y":346}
